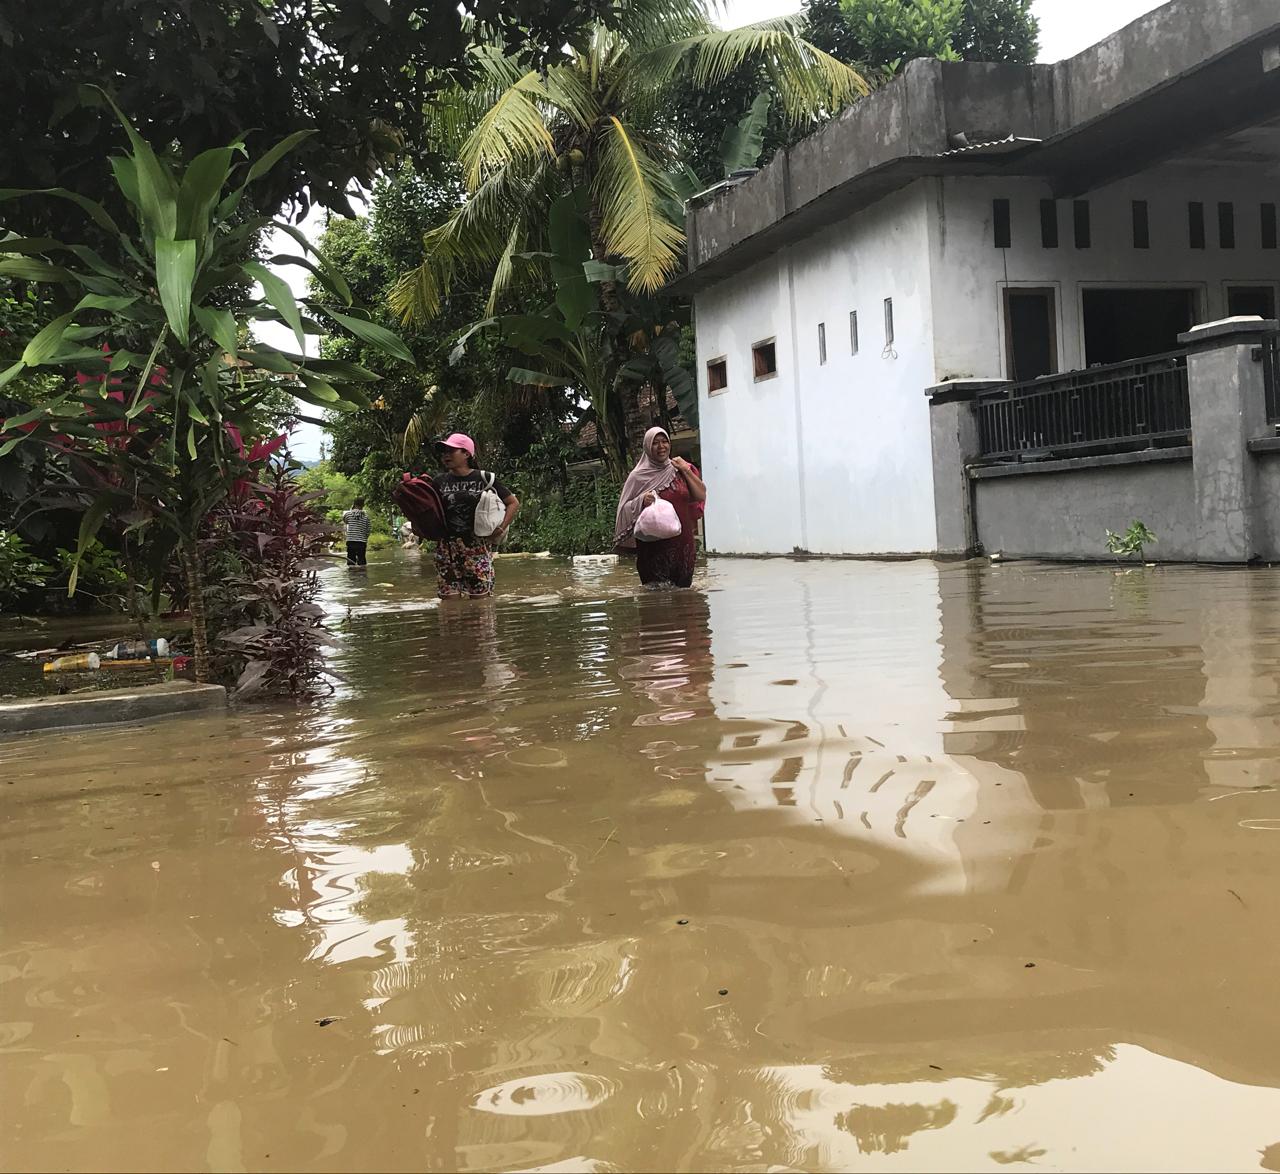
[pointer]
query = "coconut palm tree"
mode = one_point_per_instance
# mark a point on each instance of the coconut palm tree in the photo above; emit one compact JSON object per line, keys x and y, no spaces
{"x":593,"y":125}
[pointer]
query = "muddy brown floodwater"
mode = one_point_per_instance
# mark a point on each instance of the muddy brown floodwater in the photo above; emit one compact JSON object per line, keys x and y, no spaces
{"x":819,"y":866}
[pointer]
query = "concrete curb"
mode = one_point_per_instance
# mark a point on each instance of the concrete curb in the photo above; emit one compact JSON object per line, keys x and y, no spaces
{"x":109,"y":707}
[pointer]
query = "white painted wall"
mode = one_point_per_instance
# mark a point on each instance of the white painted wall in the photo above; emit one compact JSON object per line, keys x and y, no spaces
{"x":969,"y":273}
{"x":748,"y":432}
{"x":835,"y":458}
{"x":832,"y":458}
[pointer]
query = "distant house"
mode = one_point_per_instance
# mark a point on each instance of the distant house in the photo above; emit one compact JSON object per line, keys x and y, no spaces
{"x":980,"y":222}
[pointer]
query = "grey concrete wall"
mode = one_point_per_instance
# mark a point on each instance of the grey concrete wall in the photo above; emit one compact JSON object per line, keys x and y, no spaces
{"x":1063,"y":509}
{"x":1155,"y":49}
{"x":1266,"y":533}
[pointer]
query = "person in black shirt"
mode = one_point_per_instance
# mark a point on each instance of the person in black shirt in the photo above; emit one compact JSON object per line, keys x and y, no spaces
{"x":464,"y":562}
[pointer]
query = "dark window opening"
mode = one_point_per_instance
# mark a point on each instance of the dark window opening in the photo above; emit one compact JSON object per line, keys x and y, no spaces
{"x":1245,"y":300}
{"x":1031,"y":333}
{"x":764,"y":359}
{"x":717,"y":376}
{"x":1195,"y":224}
{"x":1141,"y":225}
{"x":1226,"y":225}
{"x":1000,"y":221}
{"x":1080,"y":217}
{"x":1268,"y":226}
{"x":1122,"y":324}
{"x":853,"y":332}
{"x":1049,"y":224}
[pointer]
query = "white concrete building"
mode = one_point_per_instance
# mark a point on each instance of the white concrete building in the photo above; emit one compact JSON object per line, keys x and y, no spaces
{"x":973,"y":222}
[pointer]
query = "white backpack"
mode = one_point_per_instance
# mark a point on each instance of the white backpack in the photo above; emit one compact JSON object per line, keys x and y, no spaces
{"x":489,"y":509}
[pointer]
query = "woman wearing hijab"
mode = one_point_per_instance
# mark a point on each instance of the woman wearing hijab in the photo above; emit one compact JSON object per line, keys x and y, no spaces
{"x":660,"y":475}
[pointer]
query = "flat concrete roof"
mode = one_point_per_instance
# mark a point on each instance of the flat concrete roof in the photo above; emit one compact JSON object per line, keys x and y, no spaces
{"x":1187,"y":73}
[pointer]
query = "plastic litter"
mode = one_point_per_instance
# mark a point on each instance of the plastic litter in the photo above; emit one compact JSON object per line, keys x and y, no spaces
{"x":82,"y":662}
{"x":135,"y":649}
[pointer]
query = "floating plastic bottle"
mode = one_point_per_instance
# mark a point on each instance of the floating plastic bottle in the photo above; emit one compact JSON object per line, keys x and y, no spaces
{"x":137,"y":649}
{"x":162,"y":662}
{"x":82,"y":662}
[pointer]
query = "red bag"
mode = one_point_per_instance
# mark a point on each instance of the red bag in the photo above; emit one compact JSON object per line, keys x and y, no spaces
{"x":422,"y":504}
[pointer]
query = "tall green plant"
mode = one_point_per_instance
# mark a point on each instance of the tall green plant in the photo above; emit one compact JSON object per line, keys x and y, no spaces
{"x":158,"y":385}
{"x":594,"y":127}
{"x":577,"y":342}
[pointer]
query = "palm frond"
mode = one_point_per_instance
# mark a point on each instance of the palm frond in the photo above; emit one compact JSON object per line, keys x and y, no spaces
{"x":630,"y":188}
{"x":476,"y":235}
{"x":807,"y":80}
{"x":569,"y":90}
{"x":422,"y":425}
{"x":416,"y":295}
{"x":504,"y":271}
{"x":512,"y":128}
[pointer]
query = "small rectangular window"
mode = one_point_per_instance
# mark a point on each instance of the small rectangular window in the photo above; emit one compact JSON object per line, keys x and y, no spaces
{"x":1000,"y":221}
{"x":822,"y":342}
{"x":1226,"y":225}
{"x":1195,"y":224}
{"x":1080,"y":219}
{"x":1141,"y":225}
{"x":717,"y":375}
{"x":764,"y":359}
{"x":853,"y":332}
{"x":1268,"y":226}
{"x":1049,"y":224}
{"x":888,"y":322}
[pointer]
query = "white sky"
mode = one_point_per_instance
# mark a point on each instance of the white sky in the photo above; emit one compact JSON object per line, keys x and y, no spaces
{"x":1066,"y":27}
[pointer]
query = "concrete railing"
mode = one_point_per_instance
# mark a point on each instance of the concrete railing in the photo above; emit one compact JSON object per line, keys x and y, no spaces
{"x":1216,"y":500}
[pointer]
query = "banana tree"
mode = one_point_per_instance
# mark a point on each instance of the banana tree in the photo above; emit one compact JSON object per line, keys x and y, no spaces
{"x":161,"y":369}
{"x":598,"y":354}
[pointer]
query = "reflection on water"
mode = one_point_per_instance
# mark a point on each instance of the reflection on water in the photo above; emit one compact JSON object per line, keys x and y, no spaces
{"x":818,"y":866}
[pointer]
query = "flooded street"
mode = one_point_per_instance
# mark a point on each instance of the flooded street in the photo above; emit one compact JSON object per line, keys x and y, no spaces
{"x":818,"y":866}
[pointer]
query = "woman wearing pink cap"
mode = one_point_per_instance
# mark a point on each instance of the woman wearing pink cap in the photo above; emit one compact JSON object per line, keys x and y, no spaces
{"x":464,"y":561}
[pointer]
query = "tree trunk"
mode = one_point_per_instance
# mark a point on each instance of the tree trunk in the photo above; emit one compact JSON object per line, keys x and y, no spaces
{"x":190,"y":556}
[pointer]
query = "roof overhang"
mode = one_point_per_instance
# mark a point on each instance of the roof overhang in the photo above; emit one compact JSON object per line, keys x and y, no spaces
{"x":1188,"y":73}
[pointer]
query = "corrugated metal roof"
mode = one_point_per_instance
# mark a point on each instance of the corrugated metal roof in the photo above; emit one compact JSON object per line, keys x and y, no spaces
{"x":1005,"y":146}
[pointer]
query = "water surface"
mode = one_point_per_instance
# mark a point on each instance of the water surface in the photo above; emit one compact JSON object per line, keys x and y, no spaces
{"x":819,"y":866}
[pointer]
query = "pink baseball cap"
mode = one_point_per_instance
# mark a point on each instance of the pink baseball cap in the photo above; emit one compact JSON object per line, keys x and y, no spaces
{"x":457,"y":440}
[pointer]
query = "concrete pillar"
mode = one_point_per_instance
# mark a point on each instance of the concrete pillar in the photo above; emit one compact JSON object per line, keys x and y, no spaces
{"x":1228,"y":409}
{"x":953,"y":432}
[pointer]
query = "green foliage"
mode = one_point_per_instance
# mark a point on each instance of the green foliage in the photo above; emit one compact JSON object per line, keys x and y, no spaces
{"x":998,"y":30}
{"x":20,"y":571}
{"x":100,"y":573}
{"x":1131,"y":542}
{"x":576,"y":520}
{"x":892,"y":32}
{"x":197,"y":72}
{"x":165,"y":383}
{"x":471,"y":395}
{"x":882,"y":35}
{"x":588,"y":139}
{"x":336,"y":491}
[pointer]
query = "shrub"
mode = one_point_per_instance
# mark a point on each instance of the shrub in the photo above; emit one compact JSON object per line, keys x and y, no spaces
{"x":21,"y":572}
{"x":577,"y":520}
{"x":269,"y":543}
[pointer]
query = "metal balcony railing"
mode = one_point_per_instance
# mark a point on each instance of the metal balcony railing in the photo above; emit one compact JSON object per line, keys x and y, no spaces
{"x":1271,"y":376}
{"x":1142,"y":403}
